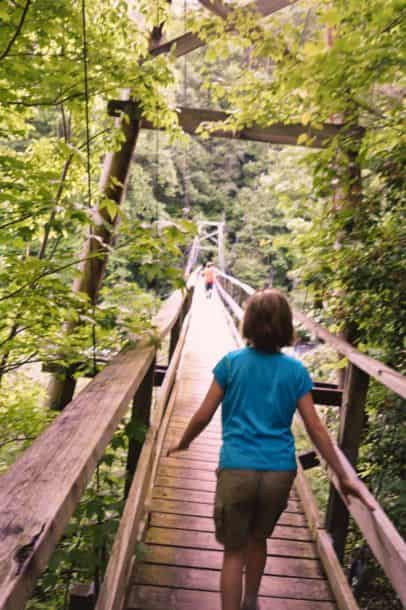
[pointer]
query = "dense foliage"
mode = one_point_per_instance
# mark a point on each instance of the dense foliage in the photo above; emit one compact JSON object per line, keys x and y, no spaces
{"x":327,"y":225}
{"x":343,"y":243}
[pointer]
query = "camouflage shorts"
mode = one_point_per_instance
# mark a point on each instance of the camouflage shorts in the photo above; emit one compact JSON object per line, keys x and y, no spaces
{"x":249,"y":503}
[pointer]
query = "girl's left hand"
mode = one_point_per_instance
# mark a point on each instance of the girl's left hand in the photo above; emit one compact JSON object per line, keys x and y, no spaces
{"x":174,"y":449}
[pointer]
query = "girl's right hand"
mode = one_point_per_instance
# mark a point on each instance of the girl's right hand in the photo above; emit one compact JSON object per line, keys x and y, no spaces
{"x":355,"y":488}
{"x":172,"y":449}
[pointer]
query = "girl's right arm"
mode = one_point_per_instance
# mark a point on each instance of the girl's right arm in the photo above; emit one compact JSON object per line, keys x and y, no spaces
{"x":321,"y":438}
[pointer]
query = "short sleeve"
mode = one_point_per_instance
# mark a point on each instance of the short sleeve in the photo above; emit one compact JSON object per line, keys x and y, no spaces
{"x":220,"y":372}
{"x":304,"y":382}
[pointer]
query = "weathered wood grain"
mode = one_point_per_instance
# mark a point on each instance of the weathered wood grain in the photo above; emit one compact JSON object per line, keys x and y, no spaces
{"x":352,"y":420}
{"x":190,"y":120}
{"x":202,"y":524}
{"x":181,"y":550}
{"x":198,"y":558}
{"x":205,"y":497}
{"x":188,"y":42}
{"x":165,"y":598}
{"x":206,"y":540}
{"x":179,"y":507}
{"x":186,"y":473}
{"x":40,"y":491}
{"x":384,"y":374}
{"x":208,"y":580}
{"x":381,"y":535}
{"x":114,"y":586}
{"x":337,"y":579}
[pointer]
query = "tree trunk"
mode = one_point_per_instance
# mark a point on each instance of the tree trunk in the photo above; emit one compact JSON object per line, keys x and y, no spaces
{"x":113,"y":184}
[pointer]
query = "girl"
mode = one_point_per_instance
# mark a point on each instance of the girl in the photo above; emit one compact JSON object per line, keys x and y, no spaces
{"x":260,"y":389}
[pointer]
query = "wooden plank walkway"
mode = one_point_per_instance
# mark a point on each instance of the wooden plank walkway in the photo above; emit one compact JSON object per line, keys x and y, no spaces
{"x":181,"y":565}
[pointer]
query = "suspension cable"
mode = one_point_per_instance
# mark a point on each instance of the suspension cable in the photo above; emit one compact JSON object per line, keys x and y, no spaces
{"x":157,"y":138}
{"x":85,"y":57}
{"x":86,"y":87}
{"x":186,"y":208}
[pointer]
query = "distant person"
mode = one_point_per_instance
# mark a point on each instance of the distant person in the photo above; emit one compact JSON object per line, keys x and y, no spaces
{"x":209,"y":278}
{"x":260,"y":389}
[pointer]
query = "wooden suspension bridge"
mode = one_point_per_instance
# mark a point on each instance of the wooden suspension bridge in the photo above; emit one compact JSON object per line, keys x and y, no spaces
{"x":169,"y":500}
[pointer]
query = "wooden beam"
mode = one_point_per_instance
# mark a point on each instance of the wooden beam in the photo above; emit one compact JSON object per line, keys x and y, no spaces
{"x":384,"y":374}
{"x":221,"y":247}
{"x":182,"y":45}
{"x":336,"y":577}
{"x":381,"y":535}
{"x":190,"y":120}
{"x":232,"y":305}
{"x":352,"y":418}
{"x":120,"y":564}
{"x":308,"y":459}
{"x":140,"y":416}
{"x":40,"y":491}
{"x":263,"y":7}
{"x":192,"y":257}
{"x":327,"y":396}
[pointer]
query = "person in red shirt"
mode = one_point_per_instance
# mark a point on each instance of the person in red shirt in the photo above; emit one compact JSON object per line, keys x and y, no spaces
{"x":209,"y":278}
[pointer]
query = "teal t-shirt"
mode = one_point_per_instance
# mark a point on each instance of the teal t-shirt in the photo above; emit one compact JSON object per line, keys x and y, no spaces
{"x":260,"y":397}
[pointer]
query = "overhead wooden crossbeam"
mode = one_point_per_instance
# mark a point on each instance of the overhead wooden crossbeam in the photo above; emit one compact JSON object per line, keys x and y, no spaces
{"x":189,"y":42}
{"x":191,"y":118}
{"x":263,"y":7}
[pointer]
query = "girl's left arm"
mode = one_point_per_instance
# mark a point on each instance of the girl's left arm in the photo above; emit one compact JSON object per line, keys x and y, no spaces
{"x":201,"y":418}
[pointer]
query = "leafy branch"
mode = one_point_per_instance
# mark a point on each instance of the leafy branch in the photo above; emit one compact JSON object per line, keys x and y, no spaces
{"x":17,"y":439}
{"x":17,"y":32}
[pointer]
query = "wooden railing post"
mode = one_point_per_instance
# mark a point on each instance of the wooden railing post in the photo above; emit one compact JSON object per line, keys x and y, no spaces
{"x":352,"y":417}
{"x":140,"y":417}
{"x":175,"y":332}
{"x":177,"y":327}
{"x":82,"y":596}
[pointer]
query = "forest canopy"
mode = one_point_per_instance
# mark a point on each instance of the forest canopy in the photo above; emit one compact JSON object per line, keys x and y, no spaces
{"x":326,"y":225}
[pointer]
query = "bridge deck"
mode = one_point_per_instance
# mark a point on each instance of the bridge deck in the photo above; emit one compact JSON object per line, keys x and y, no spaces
{"x":180,"y":569}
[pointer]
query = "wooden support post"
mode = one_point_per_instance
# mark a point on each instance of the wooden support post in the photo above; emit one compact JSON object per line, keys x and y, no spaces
{"x":349,"y":437}
{"x":113,"y":185}
{"x":175,"y":332}
{"x":140,"y":417}
{"x":188,"y":302}
{"x":220,"y":246}
{"x":177,"y":327}
{"x":82,"y":597}
{"x":96,"y":248}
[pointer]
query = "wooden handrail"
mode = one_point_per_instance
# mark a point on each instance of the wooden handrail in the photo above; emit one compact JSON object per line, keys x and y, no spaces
{"x":381,"y":535}
{"x":387,"y":376}
{"x":245,"y":287}
{"x":336,"y":577}
{"x":40,"y":491}
{"x":379,"y":532}
{"x":381,"y":372}
{"x":118,"y":573}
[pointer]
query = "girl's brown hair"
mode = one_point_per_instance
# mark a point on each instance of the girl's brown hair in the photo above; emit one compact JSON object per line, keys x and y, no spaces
{"x":267,"y":323}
